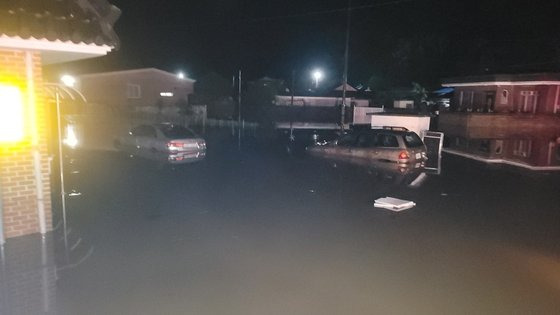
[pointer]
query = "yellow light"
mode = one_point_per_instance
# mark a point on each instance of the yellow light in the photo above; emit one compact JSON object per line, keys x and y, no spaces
{"x":11,"y":114}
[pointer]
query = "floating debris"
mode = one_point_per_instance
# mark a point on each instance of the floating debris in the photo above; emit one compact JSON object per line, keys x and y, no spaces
{"x":394,"y":204}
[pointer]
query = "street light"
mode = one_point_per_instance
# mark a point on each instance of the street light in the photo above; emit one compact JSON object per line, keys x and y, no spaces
{"x":68,"y":80}
{"x":317,"y":75}
{"x":181,"y":75}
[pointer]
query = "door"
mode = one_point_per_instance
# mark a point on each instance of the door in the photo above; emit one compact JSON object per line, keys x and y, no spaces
{"x":434,"y":144}
{"x":344,"y":145}
{"x":490,"y":101}
{"x":366,"y":148}
{"x":388,"y":147}
{"x":145,"y":138}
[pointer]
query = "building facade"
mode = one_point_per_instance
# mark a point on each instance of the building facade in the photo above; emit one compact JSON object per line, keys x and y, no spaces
{"x":135,"y":88}
{"x":505,"y":118}
{"x":33,"y":34}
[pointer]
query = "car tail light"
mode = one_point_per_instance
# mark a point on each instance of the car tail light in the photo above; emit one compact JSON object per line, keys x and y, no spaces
{"x":174,"y":144}
{"x":404,"y":155}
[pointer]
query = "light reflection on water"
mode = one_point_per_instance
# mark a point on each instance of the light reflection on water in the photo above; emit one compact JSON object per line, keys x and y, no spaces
{"x":28,"y":276}
{"x":30,"y":269}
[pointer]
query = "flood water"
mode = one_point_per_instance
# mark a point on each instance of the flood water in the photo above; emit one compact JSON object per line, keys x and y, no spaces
{"x":259,"y":232}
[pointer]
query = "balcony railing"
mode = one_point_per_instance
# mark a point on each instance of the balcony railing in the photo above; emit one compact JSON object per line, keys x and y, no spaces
{"x":497,"y":125}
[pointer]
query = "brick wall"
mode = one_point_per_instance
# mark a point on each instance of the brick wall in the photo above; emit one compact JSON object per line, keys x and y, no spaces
{"x":18,"y":184}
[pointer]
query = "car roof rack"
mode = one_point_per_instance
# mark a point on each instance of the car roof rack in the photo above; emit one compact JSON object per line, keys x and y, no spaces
{"x":396,"y":128}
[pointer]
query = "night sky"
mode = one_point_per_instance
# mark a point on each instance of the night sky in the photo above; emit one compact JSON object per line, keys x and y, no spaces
{"x":393,"y":42}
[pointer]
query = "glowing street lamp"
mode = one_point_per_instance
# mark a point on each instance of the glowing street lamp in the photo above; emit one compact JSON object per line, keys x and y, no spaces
{"x":68,"y":80}
{"x":317,"y":76}
{"x":181,"y":75}
{"x":11,"y":114}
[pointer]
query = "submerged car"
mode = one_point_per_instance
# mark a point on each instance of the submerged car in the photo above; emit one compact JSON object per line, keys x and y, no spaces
{"x":299,"y":139}
{"x":163,"y":142}
{"x":388,"y":174}
{"x":389,"y":144}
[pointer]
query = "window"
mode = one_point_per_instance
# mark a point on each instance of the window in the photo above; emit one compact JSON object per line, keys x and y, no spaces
{"x":347,"y":140}
{"x":144,"y":131}
{"x":412,"y":140}
{"x":557,"y":100}
{"x":528,"y":102}
{"x":554,"y":152}
{"x":505,"y":97}
{"x":499,"y":148}
{"x":489,"y":102}
{"x":466,"y":100}
{"x":387,"y":141}
{"x":133,"y":91}
{"x":366,"y":140}
{"x":176,"y":132}
{"x":522,"y":148}
{"x":484,"y":146}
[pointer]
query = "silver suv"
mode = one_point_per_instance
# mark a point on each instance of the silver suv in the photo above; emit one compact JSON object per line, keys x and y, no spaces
{"x":388,"y":144}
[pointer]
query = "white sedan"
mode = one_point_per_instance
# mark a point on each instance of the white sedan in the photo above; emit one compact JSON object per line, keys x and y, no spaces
{"x":163,"y":142}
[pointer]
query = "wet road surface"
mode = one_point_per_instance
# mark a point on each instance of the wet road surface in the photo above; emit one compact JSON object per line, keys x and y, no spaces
{"x":257,"y":232}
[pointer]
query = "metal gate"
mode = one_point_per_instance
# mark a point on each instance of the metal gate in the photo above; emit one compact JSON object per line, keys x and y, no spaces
{"x":434,"y":143}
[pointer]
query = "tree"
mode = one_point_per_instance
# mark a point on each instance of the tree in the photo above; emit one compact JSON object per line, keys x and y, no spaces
{"x":420,"y":96}
{"x":260,"y":96}
{"x":215,"y":92}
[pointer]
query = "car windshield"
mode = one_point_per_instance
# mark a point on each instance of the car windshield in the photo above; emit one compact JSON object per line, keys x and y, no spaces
{"x":176,"y":132}
{"x":412,"y":140}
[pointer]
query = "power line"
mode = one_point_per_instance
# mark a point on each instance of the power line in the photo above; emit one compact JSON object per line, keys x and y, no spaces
{"x":287,"y":16}
{"x":324,"y":12}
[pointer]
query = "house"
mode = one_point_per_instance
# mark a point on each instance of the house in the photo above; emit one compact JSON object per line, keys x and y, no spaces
{"x":120,"y":100}
{"x":33,"y":34}
{"x":512,"y":119}
{"x":135,"y":89}
{"x":317,"y":112}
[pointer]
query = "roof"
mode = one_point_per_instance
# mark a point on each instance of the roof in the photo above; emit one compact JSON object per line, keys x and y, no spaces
{"x":349,"y":88}
{"x":504,"y":79}
{"x":443,"y":91}
{"x":133,"y":71}
{"x":75,"y":21}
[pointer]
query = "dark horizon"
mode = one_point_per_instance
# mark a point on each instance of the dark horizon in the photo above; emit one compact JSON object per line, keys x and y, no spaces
{"x":392,"y":42}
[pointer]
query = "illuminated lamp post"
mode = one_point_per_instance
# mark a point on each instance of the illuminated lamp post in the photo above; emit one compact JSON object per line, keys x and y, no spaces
{"x":317,"y":76}
{"x":68,"y":80}
{"x":71,"y":141}
{"x":11,"y":131}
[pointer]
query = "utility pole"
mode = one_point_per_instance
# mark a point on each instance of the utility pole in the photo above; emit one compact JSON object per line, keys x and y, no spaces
{"x":292,"y":105}
{"x":239,"y":111}
{"x":345,"y":73}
